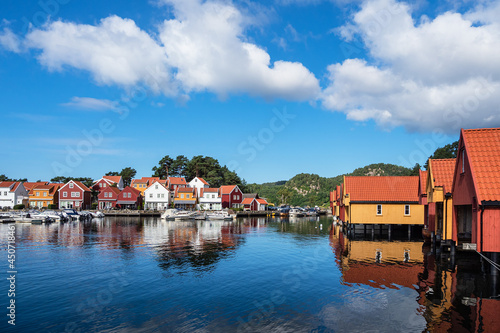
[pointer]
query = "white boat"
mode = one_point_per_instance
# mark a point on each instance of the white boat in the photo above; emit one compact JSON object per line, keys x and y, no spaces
{"x":295,"y":212}
{"x":220,"y":215}
{"x":175,"y":214}
{"x":97,"y":215}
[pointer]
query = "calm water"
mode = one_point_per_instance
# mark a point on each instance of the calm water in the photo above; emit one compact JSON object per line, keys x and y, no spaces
{"x":253,"y":275}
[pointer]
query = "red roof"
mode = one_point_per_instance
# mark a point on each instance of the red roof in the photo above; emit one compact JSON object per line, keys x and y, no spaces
{"x":6,"y":184}
{"x":51,"y":187}
{"x":29,"y":185}
{"x":78,"y":183}
{"x":203,"y":181}
{"x":208,"y":190}
{"x":115,"y":179}
{"x":185,"y":189}
{"x":382,"y":188}
{"x":423,"y":181}
{"x":442,"y":171}
{"x":177,"y":181}
{"x":483,"y":151}
{"x":226,"y":189}
{"x":247,"y":201}
{"x":262,"y":201}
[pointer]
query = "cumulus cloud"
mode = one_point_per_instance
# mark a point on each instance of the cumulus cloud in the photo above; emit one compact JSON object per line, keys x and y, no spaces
{"x":439,"y":74}
{"x":203,"y":48}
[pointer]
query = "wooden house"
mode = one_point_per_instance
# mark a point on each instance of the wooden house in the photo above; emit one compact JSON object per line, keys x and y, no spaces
{"x":107,"y":181}
{"x":41,"y":196}
{"x":108,"y":197}
{"x":438,"y":188}
{"x":210,"y":199}
{"x":231,"y":196}
{"x":476,"y":190}
{"x":185,"y":198}
{"x":13,"y":193}
{"x":144,"y":182}
{"x":129,"y":198}
{"x":382,"y":200}
{"x":422,"y":195}
{"x":74,"y":194}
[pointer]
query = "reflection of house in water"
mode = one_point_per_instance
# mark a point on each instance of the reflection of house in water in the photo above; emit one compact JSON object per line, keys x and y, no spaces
{"x":197,"y":245}
{"x":377,"y":264}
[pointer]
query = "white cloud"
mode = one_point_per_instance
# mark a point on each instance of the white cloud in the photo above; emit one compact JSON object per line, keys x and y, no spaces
{"x":442,"y":73}
{"x":89,"y":103}
{"x":206,"y":44}
{"x":203,"y":48}
{"x":10,"y":41}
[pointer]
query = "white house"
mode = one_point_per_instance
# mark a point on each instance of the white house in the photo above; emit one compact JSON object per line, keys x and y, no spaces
{"x":210,"y":199}
{"x":156,"y":196}
{"x":198,"y":183}
{"x":13,"y":193}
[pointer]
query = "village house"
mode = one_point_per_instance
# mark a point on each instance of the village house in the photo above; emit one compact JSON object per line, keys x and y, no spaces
{"x":439,"y":198}
{"x":107,"y":181}
{"x":13,"y":193}
{"x":422,"y":195}
{"x":157,"y":196}
{"x":252,"y":202}
{"x":210,"y":199}
{"x":382,"y":200}
{"x":41,"y":196}
{"x":185,"y":198}
{"x":143,"y":183}
{"x":174,"y":183}
{"x":231,"y":196}
{"x":108,"y":197}
{"x":129,"y":198}
{"x":198,"y":183}
{"x":476,"y":190}
{"x":74,"y":194}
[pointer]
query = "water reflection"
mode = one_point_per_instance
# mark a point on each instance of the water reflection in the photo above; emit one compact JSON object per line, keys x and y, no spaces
{"x":452,"y":295}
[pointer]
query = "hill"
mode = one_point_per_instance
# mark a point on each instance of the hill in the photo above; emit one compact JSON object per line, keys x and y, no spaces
{"x":311,"y":189}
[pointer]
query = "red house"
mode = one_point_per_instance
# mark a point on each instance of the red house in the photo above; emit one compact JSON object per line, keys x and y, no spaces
{"x":108,"y":197}
{"x":129,"y":198}
{"x":231,"y":196}
{"x":476,"y":190}
{"x":176,"y":182}
{"x":107,"y":181}
{"x":74,"y":194}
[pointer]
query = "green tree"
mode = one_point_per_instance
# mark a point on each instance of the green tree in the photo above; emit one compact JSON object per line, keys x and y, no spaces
{"x":113,"y":173}
{"x":448,"y":151}
{"x":178,"y":167}
{"x":127,"y":174}
{"x":161,"y":170}
{"x":284,"y":195}
{"x":415,"y":170}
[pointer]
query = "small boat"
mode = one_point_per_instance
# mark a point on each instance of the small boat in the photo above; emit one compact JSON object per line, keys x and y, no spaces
{"x":97,"y":215}
{"x":219,"y":215}
{"x":295,"y":212}
{"x":200,"y":216}
{"x":176,"y":214}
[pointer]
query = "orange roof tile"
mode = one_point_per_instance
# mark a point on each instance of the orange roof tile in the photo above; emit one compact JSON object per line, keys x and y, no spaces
{"x":226,"y":189}
{"x":185,"y":189}
{"x":483,"y":151}
{"x":247,"y":201}
{"x":115,"y":179}
{"x":6,"y":184}
{"x":382,"y":188}
{"x":177,"y":180}
{"x":83,"y":186}
{"x":423,"y":180}
{"x":262,"y":201}
{"x":29,"y":185}
{"x":442,"y":171}
{"x":203,"y":181}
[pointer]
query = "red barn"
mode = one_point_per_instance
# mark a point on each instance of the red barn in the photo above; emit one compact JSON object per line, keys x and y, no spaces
{"x":476,"y":189}
{"x":108,"y":197}
{"x":231,"y":196}
{"x":129,"y":198}
{"x":74,"y":194}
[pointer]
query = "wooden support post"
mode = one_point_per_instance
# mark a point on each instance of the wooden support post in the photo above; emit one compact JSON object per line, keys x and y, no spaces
{"x":409,"y":232}
{"x":494,"y":258}
{"x":389,"y":231}
{"x":373,"y":231}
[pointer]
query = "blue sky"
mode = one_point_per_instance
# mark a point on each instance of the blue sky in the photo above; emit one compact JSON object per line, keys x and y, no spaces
{"x":269,"y":88}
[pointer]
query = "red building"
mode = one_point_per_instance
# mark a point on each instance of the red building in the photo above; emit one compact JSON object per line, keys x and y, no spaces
{"x":176,"y":182}
{"x":107,"y":181}
{"x":231,"y":196}
{"x":129,"y":198}
{"x":108,"y":197}
{"x":74,"y":194}
{"x":476,"y":189}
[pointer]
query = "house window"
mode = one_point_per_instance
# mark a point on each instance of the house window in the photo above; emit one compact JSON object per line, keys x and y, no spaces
{"x":5,"y":193}
{"x":407,"y":210}
{"x":182,"y":196}
{"x":156,"y":187}
{"x":379,"y":209}
{"x":105,"y":194}
{"x":71,"y":185}
{"x":65,"y":194}
{"x":45,"y":194}
{"x":163,"y":195}
{"x":37,"y":194}
{"x":213,"y":196}
{"x":158,"y":195}
{"x":234,"y":197}
{"x":150,"y":195}
{"x":104,"y":185}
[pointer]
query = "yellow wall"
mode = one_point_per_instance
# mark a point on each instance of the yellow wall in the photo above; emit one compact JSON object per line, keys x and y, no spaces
{"x":360,"y":250}
{"x":391,"y":214}
{"x":435,"y":194}
{"x":43,"y":197}
{"x":141,"y":187}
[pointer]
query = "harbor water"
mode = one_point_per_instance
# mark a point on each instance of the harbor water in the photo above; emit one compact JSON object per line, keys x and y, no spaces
{"x":248,"y":275}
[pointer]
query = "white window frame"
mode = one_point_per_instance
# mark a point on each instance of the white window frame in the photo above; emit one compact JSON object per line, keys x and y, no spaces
{"x":71,"y":185}
{"x":65,"y":194}
{"x":379,"y":206}
{"x":409,"y":210}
